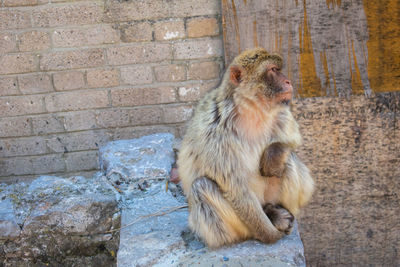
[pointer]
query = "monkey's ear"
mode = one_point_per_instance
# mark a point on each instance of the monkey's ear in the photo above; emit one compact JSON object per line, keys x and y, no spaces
{"x":236,"y":74}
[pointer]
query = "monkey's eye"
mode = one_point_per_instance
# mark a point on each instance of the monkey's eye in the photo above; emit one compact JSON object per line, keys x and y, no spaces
{"x":274,"y":69}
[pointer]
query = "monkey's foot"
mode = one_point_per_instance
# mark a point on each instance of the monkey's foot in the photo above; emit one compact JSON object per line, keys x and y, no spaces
{"x":281,"y":218}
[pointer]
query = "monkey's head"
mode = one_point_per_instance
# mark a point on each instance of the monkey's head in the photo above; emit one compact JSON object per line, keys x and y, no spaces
{"x":257,"y":74}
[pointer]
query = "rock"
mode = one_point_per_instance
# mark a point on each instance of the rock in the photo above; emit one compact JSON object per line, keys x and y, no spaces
{"x":130,"y":164}
{"x":150,"y":240}
{"x":58,"y":222}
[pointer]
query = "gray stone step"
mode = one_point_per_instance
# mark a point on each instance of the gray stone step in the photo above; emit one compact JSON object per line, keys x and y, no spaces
{"x":139,"y":169}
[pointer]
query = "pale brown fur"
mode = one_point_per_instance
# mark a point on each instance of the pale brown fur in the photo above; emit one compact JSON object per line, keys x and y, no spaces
{"x":220,"y":158}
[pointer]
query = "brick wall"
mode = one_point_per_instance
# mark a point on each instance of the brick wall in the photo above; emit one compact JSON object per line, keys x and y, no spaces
{"x":77,"y":74}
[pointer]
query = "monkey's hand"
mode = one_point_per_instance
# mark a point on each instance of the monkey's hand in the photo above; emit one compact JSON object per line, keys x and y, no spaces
{"x":274,"y":159}
{"x":280,"y":217}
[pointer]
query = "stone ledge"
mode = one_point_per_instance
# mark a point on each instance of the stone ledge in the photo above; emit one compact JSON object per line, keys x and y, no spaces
{"x":58,"y":222}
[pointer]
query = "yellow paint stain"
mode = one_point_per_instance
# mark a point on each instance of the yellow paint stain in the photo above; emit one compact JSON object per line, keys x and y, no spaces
{"x":334,"y":80}
{"x":383,"y":22}
{"x":324,"y":61}
{"x":310,"y":84}
{"x":235,"y":17}
{"x":255,"y":38}
{"x":333,"y":3}
{"x":245,"y":2}
{"x":356,"y":83}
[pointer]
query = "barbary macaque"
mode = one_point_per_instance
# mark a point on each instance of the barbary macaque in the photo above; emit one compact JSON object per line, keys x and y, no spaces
{"x":237,"y":163}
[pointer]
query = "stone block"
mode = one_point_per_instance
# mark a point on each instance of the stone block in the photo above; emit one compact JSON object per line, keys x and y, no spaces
{"x":196,"y":49}
{"x":33,"y":41}
{"x":170,"y":73}
{"x":58,"y":222}
{"x":102,"y":78}
{"x":21,"y":105}
{"x":75,"y":37}
{"x":49,"y":123}
{"x":142,"y":96}
{"x":204,"y":70}
{"x":169,"y":30}
{"x":22,"y":146}
{"x":176,"y":114}
{"x":127,"y":162}
{"x":15,"y":19}
{"x":9,"y":3}
{"x":7,"y":42}
{"x":62,"y":60}
{"x":139,"y":53}
{"x":15,"y":126}
{"x":136,"y":75}
{"x":8,"y":86}
{"x":68,"y":80}
{"x":80,"y":120}
{"x":136,"y":32}
{"x":71,"y":14}
{"x":17,"y":63}
{"x":35,"y":83}
{"x":202,"y":27}
{"x":76,"y":100}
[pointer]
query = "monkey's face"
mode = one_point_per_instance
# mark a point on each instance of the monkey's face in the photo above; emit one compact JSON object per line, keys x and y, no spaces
{"x":277,"y":88}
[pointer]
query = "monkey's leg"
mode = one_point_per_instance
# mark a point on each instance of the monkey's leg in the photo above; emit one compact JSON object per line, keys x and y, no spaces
{"x":211,"y":216}
{"x":273,"y":160}
{"x":281,"y":218}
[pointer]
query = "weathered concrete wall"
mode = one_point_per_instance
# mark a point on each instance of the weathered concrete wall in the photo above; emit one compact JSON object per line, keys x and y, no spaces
{"x":352,"y":147}
{"x":77,"y":74}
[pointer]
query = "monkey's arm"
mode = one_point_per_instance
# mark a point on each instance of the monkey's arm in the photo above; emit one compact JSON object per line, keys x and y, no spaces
{"x":273,"y":160}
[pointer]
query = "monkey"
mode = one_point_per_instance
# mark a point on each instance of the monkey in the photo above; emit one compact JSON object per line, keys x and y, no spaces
{"x":237,"y":164}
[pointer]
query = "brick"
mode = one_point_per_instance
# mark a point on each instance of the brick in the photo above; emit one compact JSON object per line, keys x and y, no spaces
{"x":136,"y":75}
{"x":169,"y":30}
{"x":142,"y":96}
{"x":78,"y":141}
{"x":17,"y":63}
{"x":175,"y":114}
{"x":146,"y":116}
{"x":185,"y":8}
{"x":76,"y":100}
{"x":203,"y":70}
{"x":136,"y":32}
{"x":96,"y":35}
{"x":15,"y":126}
{"x":201,"y":27}
{"x":32,"y":165}
{"x":170,"y":73}
{"x":82,"y":120}
{"x":35,"y":83}
{"x":68,"y":80}
{"x":20,"y":2}
{"x":139,"y":53}
{"x":113,"y":118}
{"x":50,"y":123}
{"x":71,"y":14}
{"x":193,"y":49}
{"x":33,"y":40}
{"x":21,"y":105}
{"x":72,"y":59}
{"x":135,"y":10}
{"x":14,"y":19}
{"x":102,"y":78}
{"x":193,"y":92}
{"x":22,"y":146}
{"x":8,"y":86}
{"x":7,"y":42}
{"x":139,"y":131}
{"x":82,"y":161}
